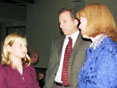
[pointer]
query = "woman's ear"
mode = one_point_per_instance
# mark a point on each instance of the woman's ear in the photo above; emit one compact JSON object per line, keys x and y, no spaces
{"x":8,"y":48}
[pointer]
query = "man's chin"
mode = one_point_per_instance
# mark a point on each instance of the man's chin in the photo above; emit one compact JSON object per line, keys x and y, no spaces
{"x":65,"y":33}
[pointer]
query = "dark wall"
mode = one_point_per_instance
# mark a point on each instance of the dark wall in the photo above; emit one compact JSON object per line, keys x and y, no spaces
{"x":41,"y":21}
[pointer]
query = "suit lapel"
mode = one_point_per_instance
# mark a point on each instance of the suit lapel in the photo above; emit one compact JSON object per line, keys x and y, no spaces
{"x":78,"y":43}
{"x":60,"y":46}
{"x":75,"y":50}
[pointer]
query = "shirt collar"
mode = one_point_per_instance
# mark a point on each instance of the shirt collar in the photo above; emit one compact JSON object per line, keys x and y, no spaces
{"x":73,"y":36}
{"x":98,"y":41}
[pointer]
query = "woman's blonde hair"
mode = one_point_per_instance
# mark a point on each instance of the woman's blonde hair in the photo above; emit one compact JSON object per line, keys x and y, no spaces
{"x":99,"y":20}
{"x":9,"y":40}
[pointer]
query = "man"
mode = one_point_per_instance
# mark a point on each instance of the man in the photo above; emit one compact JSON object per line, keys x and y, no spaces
{"x":34,"y":59}
{"x":68,"y":24}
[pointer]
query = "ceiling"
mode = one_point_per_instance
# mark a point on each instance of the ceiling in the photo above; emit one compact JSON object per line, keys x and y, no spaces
{"x":23,"y":3}
{"x":18,"y":2}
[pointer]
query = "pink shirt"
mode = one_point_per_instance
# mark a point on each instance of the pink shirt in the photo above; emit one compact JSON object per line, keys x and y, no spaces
{"x":11,"y":78}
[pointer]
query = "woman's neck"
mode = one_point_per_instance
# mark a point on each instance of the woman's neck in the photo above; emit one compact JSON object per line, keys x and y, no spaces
{"x":93,"y":39}
{"x":17,"y":63}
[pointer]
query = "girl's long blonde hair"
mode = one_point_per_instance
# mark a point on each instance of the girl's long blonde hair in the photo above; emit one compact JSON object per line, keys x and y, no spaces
{"x":9,"y":40}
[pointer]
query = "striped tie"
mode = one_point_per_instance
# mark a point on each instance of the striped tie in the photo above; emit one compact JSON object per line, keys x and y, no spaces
{"x":65,"y":77}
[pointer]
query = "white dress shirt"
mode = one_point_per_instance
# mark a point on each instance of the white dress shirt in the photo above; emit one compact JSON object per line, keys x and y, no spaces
{"x":66,"y":40}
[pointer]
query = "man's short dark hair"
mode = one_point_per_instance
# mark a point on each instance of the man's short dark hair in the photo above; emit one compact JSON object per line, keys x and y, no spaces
{"x":71,"y":11}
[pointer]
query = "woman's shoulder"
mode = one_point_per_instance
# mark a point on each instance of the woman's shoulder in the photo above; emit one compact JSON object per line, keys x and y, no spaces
{"x":109,"y":44}
{"x":30,"y":67}
{"x":2,"y":69}
{"x":108,"y":51}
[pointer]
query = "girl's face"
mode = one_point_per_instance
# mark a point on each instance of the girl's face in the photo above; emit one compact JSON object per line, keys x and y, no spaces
{"x":18,"y":48}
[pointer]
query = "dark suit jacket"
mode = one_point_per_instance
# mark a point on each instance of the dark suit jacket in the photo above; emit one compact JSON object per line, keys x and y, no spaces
{"x":77,"y":58}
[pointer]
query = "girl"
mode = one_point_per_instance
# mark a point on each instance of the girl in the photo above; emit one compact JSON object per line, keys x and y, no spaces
{"x":15,"y":68}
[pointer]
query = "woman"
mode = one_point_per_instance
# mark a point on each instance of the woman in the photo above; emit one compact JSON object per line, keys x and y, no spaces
{"x":15,"y":68}
{"x":100,"y":68}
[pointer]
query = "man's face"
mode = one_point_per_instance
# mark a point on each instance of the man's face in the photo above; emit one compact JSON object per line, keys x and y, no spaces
{"x":68,"y":25}
{"x":34,"y":58}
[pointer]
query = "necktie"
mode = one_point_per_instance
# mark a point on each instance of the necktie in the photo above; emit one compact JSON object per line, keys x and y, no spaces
{"x":65,"y":77}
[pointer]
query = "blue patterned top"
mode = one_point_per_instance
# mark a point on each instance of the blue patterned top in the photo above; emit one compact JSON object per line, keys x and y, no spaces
{"x":100,"y":68}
